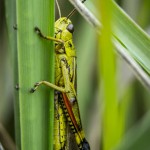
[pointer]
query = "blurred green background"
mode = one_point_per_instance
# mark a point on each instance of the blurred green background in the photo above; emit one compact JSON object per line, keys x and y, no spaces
{"x":134,"y":99}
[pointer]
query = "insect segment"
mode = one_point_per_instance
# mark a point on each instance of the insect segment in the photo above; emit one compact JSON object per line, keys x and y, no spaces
{"x":65,"y":84}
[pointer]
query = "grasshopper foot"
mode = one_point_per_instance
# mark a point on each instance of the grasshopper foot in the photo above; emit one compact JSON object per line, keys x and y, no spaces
{"x":32,"y":90}
{"x":38,"y":31}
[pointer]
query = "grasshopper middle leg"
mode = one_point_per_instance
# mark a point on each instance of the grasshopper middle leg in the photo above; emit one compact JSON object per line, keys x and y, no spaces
{"x":61,"y":89}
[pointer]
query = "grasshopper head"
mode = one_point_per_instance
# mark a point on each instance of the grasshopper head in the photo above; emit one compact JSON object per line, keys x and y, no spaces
{"x":64,"y":29}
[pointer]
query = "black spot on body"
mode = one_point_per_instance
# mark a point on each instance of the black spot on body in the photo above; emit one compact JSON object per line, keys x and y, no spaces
{"x":70,"y":45}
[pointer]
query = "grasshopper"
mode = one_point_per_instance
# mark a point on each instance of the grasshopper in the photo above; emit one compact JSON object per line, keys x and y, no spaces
{"x":66,"y":104}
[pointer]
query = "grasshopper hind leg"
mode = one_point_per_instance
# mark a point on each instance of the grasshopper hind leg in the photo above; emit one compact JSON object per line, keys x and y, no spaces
{"x":60,"y":128}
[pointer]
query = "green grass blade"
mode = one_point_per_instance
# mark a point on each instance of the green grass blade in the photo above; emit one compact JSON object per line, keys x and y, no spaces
{"x":135,"y":40}
{"x":110,"y":134}
{"x":126,"y":31}
{"x":35,"y":63}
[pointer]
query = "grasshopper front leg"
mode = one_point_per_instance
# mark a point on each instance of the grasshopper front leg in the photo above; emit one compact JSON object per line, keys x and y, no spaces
{"x":38,"y":31}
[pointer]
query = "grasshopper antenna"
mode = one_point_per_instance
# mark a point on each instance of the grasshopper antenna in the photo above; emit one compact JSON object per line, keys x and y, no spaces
{"x":59,"y":11}
{"x":74,"y":10}
{"x":71,"y":13}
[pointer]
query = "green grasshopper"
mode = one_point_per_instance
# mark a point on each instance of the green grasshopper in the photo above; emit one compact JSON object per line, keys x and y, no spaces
{"x":66,"y":105}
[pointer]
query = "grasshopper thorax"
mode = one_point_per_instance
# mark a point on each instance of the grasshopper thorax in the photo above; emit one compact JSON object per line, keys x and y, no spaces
{"x":64,"y":29}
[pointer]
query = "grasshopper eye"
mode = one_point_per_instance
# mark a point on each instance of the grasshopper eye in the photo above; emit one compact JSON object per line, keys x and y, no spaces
{"x":70,"y":28}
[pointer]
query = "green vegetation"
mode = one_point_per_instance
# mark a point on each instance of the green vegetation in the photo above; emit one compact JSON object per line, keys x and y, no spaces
{"x":114,"y":105}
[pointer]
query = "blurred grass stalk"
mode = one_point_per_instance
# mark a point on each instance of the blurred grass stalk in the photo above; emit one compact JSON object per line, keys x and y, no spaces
{"x":107,"y":71}
{"x":33,"y":60}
